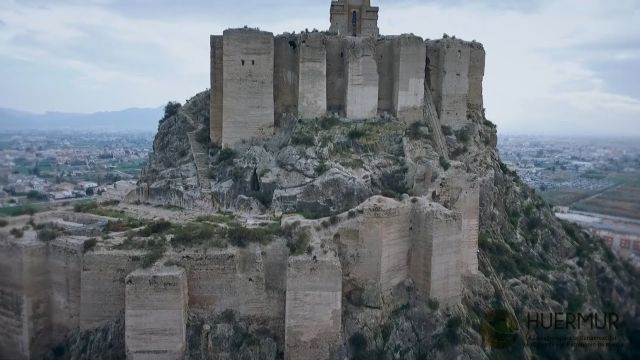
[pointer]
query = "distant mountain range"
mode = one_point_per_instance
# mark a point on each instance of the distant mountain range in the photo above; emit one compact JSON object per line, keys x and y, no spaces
{"x":134,"y":119}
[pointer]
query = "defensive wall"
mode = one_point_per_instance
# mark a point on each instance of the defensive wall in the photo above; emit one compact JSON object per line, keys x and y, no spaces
{"x":57,"y":289}
{"x":258,"y":79}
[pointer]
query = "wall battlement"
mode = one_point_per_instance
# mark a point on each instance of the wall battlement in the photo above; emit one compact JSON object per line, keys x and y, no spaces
{"x":357,"y":74}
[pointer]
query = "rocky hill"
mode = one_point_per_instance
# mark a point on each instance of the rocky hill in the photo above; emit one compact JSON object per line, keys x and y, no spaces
{"x":529,"y":261}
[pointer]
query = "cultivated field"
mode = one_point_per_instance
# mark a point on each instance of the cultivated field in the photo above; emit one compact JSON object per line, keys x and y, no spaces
{"x":623,"y":201}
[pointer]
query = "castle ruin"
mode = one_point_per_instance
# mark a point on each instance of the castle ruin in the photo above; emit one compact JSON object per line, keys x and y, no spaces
{"x":258,"y":79}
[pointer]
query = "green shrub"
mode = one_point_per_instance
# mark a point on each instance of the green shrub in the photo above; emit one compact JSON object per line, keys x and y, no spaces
{"x":170,"y":110}
{"x":154,"y":253}
{"x":329,"y":122}
{"x":489,"y":124}
{"x":89,"y":245}
{"x":17,"y":233}
{"x":413,"y":131}
{"x":85,"y":207}
{"x":355,"y":134}
{"x":451,"y":330}
{"x":47,"y":235}
{"x":358,"y":343}
{"x":194,"y":234}
{"x":303,"y":139}
{"x":321,"y":168}
{"x":298,"y":244}
{"x":122,"y":225}
{"x":446,"y":130}
{"x":444,"y":163}
{"x":203,"y":136}
{"x":463,"y":135}
{"x":226,"y":155}
{"x":241,"y":236}
{"x":156,"y":227}
{"x":433,"y":304}
{"x":37,"y":196}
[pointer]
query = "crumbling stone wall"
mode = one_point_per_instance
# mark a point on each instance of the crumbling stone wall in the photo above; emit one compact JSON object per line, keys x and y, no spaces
{"x":476,"y":75}
{"x":313,"y":307}
{"x":285,"y":75}
{"x":65,"y":269}
{"x":385,"y":59}
{"x":216,"y":92}
{"x":362,"y":78}
{"x":409,"y":75}
{"x":102,"y":295}
{"x":455,"y":75}
{"x":336,"y":74}
{"x":312,"y":89}
{"x":435,"y":261}
{"x":24,"y":299}
{"x":156,"y":313}
{"x":247,"y":99}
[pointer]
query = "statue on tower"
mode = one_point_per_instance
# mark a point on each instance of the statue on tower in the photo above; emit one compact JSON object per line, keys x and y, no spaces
{"x":354,"y":18}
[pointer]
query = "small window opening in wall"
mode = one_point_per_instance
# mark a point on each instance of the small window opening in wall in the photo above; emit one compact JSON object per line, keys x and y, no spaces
{"x":253,"y":62}
{"x":354,"y":23}
{"x":242,"y":62}
{"x":459,"y":54}
{"x":342,"y":54}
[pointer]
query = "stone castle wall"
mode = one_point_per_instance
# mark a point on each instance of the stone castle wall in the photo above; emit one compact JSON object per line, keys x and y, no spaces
{"x":247,"y":85}
{"x":455,"y":78}
{"x":313,"y":307}
{"x":156,"y":313}
{"x":361,"y":74}
{"x":312,"y":72}
{"x":24,"y":299}
{"x":216,"y":92}
{"x":53,"y":290}
{"x":309,"y":74}
{"x":285,"y":76}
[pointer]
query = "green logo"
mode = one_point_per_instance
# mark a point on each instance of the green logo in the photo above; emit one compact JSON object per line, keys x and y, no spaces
{"x":499,"y":329}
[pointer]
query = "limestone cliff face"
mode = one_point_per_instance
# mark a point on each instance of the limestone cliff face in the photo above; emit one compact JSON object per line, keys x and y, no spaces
{"x":528,"y":261}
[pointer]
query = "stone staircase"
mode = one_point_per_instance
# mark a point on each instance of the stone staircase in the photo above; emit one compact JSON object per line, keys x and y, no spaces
{"x":495,"y":280}
{"x":200,"y":155}
{"x":431,"y":115}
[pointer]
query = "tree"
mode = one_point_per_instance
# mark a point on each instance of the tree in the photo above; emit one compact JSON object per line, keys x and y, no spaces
{"x":170,"y":110}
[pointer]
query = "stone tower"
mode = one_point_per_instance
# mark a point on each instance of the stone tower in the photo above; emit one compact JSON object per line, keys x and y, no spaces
{"x":354,"y":18}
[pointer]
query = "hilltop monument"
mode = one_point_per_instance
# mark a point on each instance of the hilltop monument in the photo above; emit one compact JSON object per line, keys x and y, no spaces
{"x":258,"y":79}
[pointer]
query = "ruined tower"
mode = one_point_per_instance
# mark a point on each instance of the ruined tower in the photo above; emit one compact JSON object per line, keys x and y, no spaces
{"x":354,"y":18}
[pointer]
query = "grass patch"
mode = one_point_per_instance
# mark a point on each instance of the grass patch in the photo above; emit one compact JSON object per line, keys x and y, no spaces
{"x":155,"y":251}
{"x":94,"y":208}
{"x":122,"y":225}
{"x":19,"y":210}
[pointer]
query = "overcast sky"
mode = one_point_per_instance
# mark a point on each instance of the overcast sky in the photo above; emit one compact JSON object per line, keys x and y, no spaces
{"x":553,"y":66}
